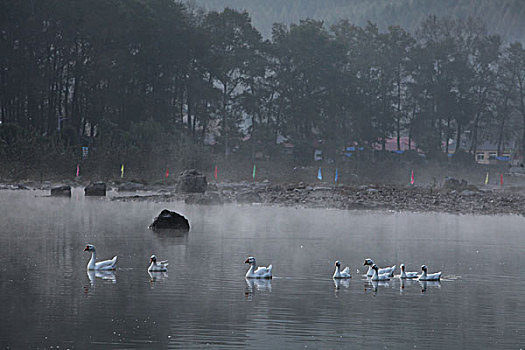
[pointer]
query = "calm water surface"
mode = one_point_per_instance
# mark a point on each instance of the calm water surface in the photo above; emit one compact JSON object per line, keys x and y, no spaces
{"x":47,"y":300}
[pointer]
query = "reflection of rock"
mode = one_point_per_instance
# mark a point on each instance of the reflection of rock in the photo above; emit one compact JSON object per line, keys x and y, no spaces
{"x":248,"y":197}
{"x":191,"y":181}
{"x":170,"y":220}
{"x":61,"y":191}
{"x":208,"y":198}
{"x":95,"y":189}
{"x":130,"y":187}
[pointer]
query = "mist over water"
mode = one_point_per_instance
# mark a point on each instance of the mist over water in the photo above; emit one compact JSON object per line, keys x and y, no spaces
{"x":48,"y":299}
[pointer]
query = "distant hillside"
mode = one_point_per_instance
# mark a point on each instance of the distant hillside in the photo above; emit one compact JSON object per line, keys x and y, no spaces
{"x":504,"y":17}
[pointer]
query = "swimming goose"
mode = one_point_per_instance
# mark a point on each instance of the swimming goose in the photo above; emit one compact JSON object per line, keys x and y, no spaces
{"x":379,"y":277}
{"x":101,"y":265}
{"x":161,"y":266}
{"x":338,"y":274}
{"x":384,"y":270}
{"x":429,"y":277}
{"x":260,"y":272}
{"x":405,"y":274}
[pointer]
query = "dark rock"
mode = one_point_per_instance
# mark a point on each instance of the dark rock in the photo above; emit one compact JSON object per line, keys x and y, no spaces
{"x":208,"y":198}
{"x":170,"y":220}
{"x":191,"y":181}
{"x":61,"y":191}
{"x":95,"y":189}
{"x":454,"y":184}
{"x":248,"y":197}
{"x":130,"y":187}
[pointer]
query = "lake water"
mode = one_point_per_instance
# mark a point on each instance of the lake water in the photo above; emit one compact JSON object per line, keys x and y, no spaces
{"x":47,"y":300}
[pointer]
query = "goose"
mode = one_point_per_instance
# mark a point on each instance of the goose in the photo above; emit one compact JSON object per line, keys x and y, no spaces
{"x":405,"y":274}
{"x":338,"y":274}
{"x":379,"y":277}
{"x":101,"y":265}
{"x":260,"y":272}
{"x":429,"y":277}
{"x":387,"y":270}
{"x":161,"y":266}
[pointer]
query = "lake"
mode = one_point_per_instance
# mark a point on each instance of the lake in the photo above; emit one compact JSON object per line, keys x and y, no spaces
{"x":48,"y":300}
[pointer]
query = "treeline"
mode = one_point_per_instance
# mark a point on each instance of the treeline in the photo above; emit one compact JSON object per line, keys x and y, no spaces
{"x":148,"y":82}
{"x":504,"y":17}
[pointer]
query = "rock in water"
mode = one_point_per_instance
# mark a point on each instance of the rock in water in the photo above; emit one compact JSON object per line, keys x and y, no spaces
{"x":191,"y":181}
{"x":170,"y":220}
{"x":95,"y":189}
{"x":61,"y":191}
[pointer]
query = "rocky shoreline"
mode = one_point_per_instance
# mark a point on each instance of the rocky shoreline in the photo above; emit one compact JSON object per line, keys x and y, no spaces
{"x":469,"y":200}
{"x":456,"y":197}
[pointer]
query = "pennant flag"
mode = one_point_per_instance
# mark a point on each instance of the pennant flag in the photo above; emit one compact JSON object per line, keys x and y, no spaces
{"x":501,"y":179}
{"x":487,"y":179}
{"x":215,"y":174}
{"x":319,"y":175}
{"x":253,"y":174}
{"x":412,"y":178}
{"x":167,"y":172}
{"x":122,"y":171}
{"x":335,"y":180}
{"x":78,"y":169}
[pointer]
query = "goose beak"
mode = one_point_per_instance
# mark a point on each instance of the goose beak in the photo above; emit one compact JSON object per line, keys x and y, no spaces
{"x":364,"y":264}
{"x":247,"y":261}
{"x":86,"y":249}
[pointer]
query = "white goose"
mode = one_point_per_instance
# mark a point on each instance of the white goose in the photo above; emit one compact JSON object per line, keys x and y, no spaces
{"x":260,"y":272}
{"x":429,"y":277}
{"x":338,"y":274}
{"x":405,"y":274}
{"x":161,"y":266}
{"x":101,"y":265}
{"x":379,"y":277}
{"x":384,"y":270}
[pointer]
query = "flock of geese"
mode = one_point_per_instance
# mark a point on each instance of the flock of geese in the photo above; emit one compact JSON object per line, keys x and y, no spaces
{"x":375,"y":273}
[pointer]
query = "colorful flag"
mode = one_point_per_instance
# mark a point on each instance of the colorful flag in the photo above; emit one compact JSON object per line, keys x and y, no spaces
{"x":319,"y":175}
{"x":487,"y":179}
{"x":122,"y":171}
{"x":78,"y":169}
{"x":335,"y":180}
{"x":412,"y":178}
{"x":167,"y":172}
{"x":253,"y":174}
{"x":216,"y":172}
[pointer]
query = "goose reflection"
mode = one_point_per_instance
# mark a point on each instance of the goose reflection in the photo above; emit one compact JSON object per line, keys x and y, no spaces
{"x":257,"y":284}
{"x":375,"y":285}
{"x":405,"y":283}
{"x":157,"y":276}
{"x":341,"y":283}
{"x":425,"y":284}
{"x":104,"y":275}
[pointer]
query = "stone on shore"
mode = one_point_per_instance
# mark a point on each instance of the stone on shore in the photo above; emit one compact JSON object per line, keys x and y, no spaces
{"x":95,"y":189}
{"x":170,"y":220}
{"x":192,"y":181}
{"x":130,"y":187}
{"x":208,"y":198}
{"x":248,"y":197}
{"x":61,"y":191}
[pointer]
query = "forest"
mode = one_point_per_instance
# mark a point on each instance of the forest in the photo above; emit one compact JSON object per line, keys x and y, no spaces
{"x":158,"y":83}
